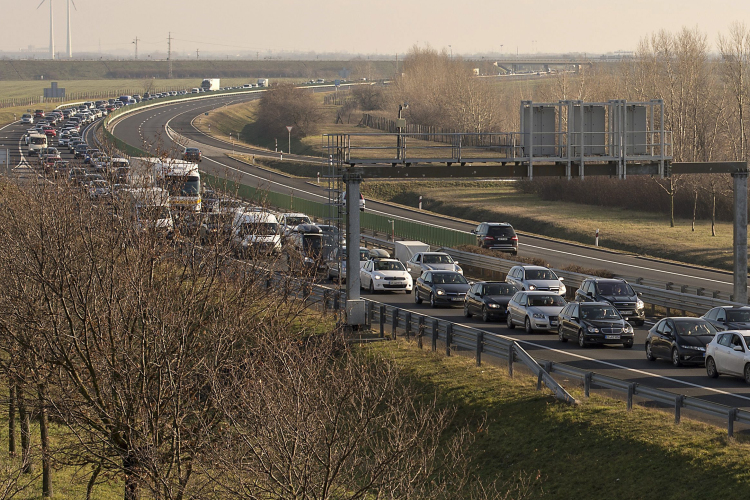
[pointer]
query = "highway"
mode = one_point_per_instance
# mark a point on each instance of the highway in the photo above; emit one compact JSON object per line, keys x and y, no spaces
{"x":625,"y":364}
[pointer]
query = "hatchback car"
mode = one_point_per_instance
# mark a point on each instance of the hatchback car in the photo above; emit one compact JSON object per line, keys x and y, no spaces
{"x":497,"y":236}
{"x":488,"y":299}
{"x":535,"y":278}
{"x":431,"y":261}
{"x":681,"y":340}
{"x":594,"y":323}
{"x":728,"y":354}
{"x":617,"y":292}
{"x":441,"y":287}
{"x":385,"y":275}
{"x":729,"y":317}
{"x":27,"y":118}
{"x":535,"y":311}
{"x":192,"y":154}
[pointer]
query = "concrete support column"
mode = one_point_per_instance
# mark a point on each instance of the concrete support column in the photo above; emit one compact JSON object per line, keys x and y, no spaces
{"x":355,"y":307}
{"x":740,"y":237}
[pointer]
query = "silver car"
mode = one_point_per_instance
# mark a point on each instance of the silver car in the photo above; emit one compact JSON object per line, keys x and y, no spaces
{"x":728,"y":354}
{"x":535,"y":311}
{"x":535,"y":278}
{"x":431,"y":261}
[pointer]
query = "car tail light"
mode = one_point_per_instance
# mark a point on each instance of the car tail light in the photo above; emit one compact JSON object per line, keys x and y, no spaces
{"x":489,"y":238}
{"x":515,"y":238}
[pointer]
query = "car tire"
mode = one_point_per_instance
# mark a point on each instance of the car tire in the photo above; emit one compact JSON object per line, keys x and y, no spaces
{"x":527,"y":325}
{"x":560,"y":335}
{"x":581,"y":339}
{"x":372,"y":288}
{"x":485,"y":315}
{"x":649,"y":355}
{"x":417,"y":298}
{"x":467,"y":314}
{"x":509,"y":322}
{"x":628,"y":345}
{"x":676,"y":357}
{"x":433,"y":304}
{"x":711,"y":370}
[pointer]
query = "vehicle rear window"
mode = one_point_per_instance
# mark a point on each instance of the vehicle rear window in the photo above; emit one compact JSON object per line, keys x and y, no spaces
{"x":502,"y":231}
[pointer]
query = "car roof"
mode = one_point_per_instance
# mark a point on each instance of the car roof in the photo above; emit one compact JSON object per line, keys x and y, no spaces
{"x":529,"y":266}
{"x":735,"y":307}
{"x":497,"y":223}
{"x":542,"y":292}
{"x":433,"y":253}
{"x":605,"y":280}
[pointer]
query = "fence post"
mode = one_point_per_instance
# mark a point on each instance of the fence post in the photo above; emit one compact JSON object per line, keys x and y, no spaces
{"x":448,"y":338}
{"x":480,"y":341}
{"x":370,"y":313}
{"x":421,"y":331}
{"x":677,"y":407}
{"x":587,"y":384}
{"x":382,"y":321}
{"x":511,"y":348}
{"x":631,"y":391}
{"x":407,"y":324}
{"x":395,"y":323}
{"x":731,"y":417}
{"x":435,"y":333}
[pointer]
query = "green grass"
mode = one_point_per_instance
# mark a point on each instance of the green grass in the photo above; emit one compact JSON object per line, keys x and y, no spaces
{"x":642,"y":232}
{"x":591,"y":451}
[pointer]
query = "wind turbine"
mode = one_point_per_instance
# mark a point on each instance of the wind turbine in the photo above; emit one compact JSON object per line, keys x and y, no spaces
{"x":51,"y":30}
{"x":70,"y":44}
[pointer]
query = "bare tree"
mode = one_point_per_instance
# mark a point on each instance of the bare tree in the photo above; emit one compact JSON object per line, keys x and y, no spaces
{"x":735,"y":54}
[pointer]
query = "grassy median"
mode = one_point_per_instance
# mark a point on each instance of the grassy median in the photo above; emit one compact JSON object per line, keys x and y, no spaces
{"x":594,"y":450}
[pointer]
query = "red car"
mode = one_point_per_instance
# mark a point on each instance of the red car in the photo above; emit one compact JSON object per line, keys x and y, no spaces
{"x":50,"y":132}
{"x":39,"y":113}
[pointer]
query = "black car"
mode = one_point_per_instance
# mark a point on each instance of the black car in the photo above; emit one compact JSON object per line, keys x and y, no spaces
{"x":441,"y":287}
{"x":497,"y":236}
{"x":192,"y":154}
{"x":80,"y":151}
{"x":488,"y":298}
{"x":594,"y":323}
{"x":617,"y":292}
{"x":729,"y":317}
{"x":681,"y":340}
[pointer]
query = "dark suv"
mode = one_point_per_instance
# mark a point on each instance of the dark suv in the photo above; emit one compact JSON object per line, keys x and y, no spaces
{"x":616,"y":292}
{"x":497,"y":236}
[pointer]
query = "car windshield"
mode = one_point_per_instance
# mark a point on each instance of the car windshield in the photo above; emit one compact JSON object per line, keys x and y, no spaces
{"x":499,"y":289}
{"x":694,"y":328}
{"x":437,"y":259}
{"x":296,"y":221}
{"x":546,"y":300}
{"x":501,"y":231}
{"x":540,"y":274}
{"x":615,"y":289}
{"x":183,"y":186}
{"x":259,"y":228}
{"x":312,"y":242}
{"x":448,"y":279}
{"x":740,"y":315}
{"x":599,"y":313}
{"x":388,"y":266}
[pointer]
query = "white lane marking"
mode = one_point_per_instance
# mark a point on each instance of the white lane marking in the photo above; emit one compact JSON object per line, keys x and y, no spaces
{"x":624,"y":264}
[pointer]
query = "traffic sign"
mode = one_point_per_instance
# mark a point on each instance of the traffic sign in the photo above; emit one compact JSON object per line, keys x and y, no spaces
{"x":289,"y":128}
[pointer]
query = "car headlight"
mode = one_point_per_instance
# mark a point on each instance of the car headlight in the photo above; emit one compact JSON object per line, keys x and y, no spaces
{"x":493,"y":305}
{"x":627,"y":329}
{"x":377,"y":277}
{"x":440,"y":291}
{"x":693,"y":348}
{"x":592,"y":329}
{"x":538,"y":315}
{"x":563,"y":289}
{"x":532,"y":287}
{"x":639,"y":304}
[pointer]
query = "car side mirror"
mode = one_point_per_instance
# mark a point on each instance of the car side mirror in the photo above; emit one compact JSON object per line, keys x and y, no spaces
{"x":561,"y":278}
{"x":455,"y":262}
{"x":738,"y":348}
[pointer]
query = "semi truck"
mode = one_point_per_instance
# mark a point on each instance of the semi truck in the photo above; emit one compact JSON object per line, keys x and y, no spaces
{"x":210,"y":84}
{"x":262,"y":82}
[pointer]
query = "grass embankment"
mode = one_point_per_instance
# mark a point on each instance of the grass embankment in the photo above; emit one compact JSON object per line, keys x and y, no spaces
{"x":588,"y":452}
{"x":642,"y":232}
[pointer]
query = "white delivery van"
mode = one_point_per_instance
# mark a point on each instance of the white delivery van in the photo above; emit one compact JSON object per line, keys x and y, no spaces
{"x":405,"y":250}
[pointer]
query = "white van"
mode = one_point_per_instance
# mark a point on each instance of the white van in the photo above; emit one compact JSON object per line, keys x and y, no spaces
{"x":255,"y":231}
{"x":37,"y":142}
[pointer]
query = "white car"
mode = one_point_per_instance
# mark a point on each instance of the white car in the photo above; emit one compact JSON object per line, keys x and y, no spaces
{"x":728,"y":354}
{"x":535,"y":278}
{"x":27,"y":118}
{"x":290,"y":220}
{"x":342,"y":200}
{"x":385,"y":275}
{"x":431,"y":261}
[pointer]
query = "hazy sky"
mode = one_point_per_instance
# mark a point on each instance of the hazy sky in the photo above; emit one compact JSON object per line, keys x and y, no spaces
{"x":361,"y":26}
